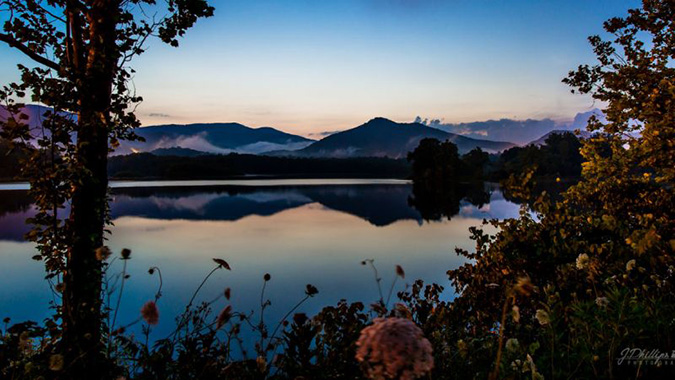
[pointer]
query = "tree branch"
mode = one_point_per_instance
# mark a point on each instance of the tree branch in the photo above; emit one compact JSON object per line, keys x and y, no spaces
{"x":12,"y":42}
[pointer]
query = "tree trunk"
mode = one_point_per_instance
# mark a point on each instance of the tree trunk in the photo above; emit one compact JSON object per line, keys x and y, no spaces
{"x":82,"y":318}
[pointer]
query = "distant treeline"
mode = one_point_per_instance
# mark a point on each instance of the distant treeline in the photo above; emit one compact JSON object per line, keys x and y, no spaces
{"x":432,"y":161}
{"x":149,"y":166}
{"x":435,"y":163}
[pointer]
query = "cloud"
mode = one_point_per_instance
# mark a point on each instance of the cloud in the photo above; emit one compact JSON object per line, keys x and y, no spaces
{"x":515,"y":131}
{"x":195,"y":142}
{"x":322,"y":134}
{"x":158,"y":114}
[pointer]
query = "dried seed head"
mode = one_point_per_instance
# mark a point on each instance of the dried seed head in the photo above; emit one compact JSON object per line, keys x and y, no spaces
{"x":222,"y":263}
{"x":224,"y":316}
{"x":400,"y":272}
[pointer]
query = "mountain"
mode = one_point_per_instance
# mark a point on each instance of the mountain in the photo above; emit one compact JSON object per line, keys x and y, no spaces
{"x":207,"y":138}
{"x":382,"y":137}
{"x":35,"y":114}
{"x":542,"y":139}
{"x":212,"y":138}
{"x":520,"y":132}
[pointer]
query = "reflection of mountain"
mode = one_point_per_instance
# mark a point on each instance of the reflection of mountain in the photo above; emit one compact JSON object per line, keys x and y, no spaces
{"x":379,"y":204}
{"x":198,"y":204}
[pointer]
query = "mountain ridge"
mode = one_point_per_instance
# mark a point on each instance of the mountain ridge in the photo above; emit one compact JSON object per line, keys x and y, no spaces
{"x":381,"y":137}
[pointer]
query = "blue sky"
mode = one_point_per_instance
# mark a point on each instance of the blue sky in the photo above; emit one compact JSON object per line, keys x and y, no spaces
{"x":322,"y":65}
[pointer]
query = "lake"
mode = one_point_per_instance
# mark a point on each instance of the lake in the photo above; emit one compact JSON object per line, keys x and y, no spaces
{"x":298,"y":231}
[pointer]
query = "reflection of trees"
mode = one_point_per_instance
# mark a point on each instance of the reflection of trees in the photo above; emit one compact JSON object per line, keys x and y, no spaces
{"x":13,"y":201}
{"x":443,"y":201}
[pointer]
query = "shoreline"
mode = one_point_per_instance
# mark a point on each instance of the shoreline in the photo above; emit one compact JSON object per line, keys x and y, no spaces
{"x":253,"y":181}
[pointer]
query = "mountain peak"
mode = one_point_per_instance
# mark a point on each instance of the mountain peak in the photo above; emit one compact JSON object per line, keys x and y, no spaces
{"x":381,"y":137}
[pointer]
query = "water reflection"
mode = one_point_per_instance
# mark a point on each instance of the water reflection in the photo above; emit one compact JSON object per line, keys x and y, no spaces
{"x":379,"y":204}
{"x":299,"y":234}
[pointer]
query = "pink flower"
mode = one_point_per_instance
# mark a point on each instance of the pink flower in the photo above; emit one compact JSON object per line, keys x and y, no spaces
{"x":150,"y":313}
{"x":394,"y":348}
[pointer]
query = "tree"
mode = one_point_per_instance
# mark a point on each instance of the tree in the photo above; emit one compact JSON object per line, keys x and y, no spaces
{"x":434,"y":162}
{"x":473,"y":163}
{"x":591,"y":274}
{"x":82,"y":49}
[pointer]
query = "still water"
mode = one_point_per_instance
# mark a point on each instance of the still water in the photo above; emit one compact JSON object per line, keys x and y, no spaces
{"x":300,"y":232}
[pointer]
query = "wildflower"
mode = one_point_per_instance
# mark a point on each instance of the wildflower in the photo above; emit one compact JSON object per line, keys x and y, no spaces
{"x":602,"y":301}
{"x":524,"y":286}
{"x":262,"y":363}
{"x":102,"y":253}
{"x":543,"y":317}
{"x":512,"y":345}
{"x":56,"y":362}
{"x":119,"y":331}
{"x":267,"y":277}
{"x":402,"y":311}
{"x":223,"y":316}
{"x":400,"y":272}
{"x":515,"y":313}
{"x":394,"y":348}
{"x":517,"y":365}
{"x":126,"y":254}
{"x":582,"y":261}
{"x":150,"y":313}
{"x":461,"y":345}
{"x":630,"y":265}
{"x":24,"y":341}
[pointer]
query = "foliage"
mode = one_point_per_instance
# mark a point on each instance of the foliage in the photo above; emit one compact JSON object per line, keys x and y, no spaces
{"x":600,"y":260}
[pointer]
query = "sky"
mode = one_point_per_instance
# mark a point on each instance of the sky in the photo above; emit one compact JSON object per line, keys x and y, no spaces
{"x":311,"y":66}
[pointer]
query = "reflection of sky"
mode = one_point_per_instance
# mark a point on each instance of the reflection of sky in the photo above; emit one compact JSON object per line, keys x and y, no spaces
{"x":306,"y":243}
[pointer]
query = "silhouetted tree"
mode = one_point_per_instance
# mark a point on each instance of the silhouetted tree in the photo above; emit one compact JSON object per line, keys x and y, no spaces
{"x":83,"y":49}
{"x":474,"y":162}
{"x":434,"y":162}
